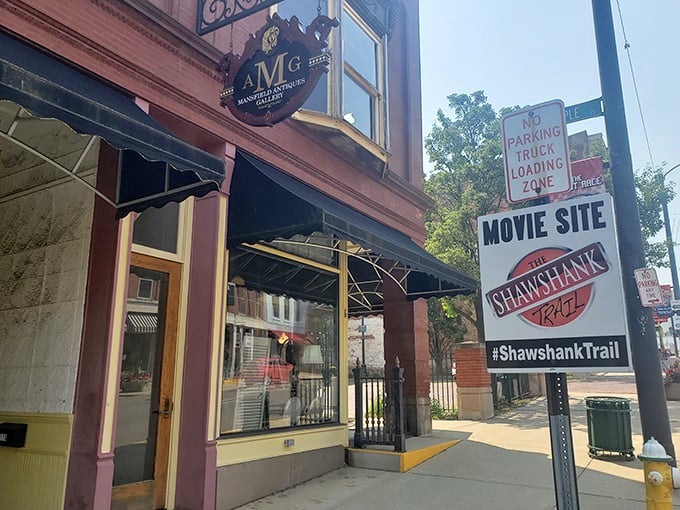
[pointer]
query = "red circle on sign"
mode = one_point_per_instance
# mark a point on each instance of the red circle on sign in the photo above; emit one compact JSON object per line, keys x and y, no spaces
{"x":561,"y":310}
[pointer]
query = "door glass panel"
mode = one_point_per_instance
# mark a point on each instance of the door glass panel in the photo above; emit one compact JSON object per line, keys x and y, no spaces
{"x":139,"y":385}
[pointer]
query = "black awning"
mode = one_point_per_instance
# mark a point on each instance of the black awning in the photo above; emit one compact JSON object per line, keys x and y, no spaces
{"x":49,"y":88}
{"x":266,"y":203}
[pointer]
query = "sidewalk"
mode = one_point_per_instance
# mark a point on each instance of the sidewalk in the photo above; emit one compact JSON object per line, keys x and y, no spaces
{"x":501,"y":463}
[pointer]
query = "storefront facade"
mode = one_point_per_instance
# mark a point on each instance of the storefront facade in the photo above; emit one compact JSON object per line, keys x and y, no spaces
{"x":176,"y":284}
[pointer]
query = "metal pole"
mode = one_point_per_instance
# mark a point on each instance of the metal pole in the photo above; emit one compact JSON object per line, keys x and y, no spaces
{"x":671,"y":255}
{"x":648,"y":378}
{"x":564,"y":465}
{"x":671,"y":258}
{"x":561,"y":442}
{"x":362,"y":330}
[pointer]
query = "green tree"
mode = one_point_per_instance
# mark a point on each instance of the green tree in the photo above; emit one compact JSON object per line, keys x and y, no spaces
{"x":652,"y":191}
{"x":467,"y":181}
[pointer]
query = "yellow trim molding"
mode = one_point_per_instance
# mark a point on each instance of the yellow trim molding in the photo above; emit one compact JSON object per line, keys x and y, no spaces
{"x":44,"y":458}
{"x":249,"y":448}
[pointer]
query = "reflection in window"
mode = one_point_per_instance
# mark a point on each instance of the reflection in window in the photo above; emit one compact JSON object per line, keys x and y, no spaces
{"x":358,"y":107}
{"x":158,"y":228}
{"x":359,"y":50}
{"x":306,"y":11}
{"x":281,"y":349}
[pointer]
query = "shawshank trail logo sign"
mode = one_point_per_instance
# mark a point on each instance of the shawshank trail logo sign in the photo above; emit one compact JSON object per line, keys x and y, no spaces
{"x":552,"y":290}
{"x":278,"y":70}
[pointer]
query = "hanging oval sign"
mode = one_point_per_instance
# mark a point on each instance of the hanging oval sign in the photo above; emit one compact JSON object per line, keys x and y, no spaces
{"x":278,"y":70}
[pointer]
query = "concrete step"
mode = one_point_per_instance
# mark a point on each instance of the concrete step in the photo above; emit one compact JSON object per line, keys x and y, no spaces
{"x":384,"y":458}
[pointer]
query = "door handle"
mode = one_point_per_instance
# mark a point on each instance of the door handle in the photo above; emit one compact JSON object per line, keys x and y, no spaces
{"x":167,"y":409}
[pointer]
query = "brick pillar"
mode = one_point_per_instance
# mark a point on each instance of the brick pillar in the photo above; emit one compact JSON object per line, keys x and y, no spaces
{"x":473,"y":382}
{"x":406,"y":337}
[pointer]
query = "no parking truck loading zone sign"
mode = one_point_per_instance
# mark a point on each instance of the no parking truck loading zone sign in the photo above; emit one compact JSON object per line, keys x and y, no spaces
{"x":552,"y":290}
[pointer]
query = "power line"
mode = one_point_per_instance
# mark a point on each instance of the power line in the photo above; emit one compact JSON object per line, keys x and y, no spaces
{"x":635,"y":87}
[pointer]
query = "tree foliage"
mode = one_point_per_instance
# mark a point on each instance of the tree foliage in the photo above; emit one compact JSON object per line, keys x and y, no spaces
{"x":467,"y":182}
{"x":652,"y":192}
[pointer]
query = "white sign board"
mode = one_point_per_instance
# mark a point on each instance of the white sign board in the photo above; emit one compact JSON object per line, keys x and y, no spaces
{"x":552,"y":290}
{"x":648,"y":287}
{"x":675,"y":305}
{"x":536,"y":152}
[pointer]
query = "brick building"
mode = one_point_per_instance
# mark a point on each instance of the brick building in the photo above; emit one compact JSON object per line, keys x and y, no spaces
{"x":175,"y":284}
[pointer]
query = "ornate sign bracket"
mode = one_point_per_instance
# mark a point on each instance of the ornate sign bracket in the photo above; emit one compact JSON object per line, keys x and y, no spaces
{"x":278,"y":70}
{"x":214,"y":14}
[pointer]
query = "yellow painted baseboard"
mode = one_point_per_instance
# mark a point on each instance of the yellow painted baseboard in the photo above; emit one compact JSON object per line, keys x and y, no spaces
{"x":35,"y":476}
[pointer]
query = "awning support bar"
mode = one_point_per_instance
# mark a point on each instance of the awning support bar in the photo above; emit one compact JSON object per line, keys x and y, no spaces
{"x":60,"y":167}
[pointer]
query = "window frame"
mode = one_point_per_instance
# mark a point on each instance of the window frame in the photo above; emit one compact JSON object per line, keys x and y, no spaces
{"x":233,"y":323}
{"x":335,"y":83}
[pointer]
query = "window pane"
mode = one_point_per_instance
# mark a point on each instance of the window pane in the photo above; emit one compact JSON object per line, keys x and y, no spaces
{"x":357,"y":107}
{"x":279,"y":370}
{"x":157,"y":228}
{"x":317,"y":247}
{"x":359,"y":50}
{"x":305,"y":10}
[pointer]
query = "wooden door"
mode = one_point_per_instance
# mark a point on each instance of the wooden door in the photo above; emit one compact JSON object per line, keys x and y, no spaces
{"x":145,"y":398}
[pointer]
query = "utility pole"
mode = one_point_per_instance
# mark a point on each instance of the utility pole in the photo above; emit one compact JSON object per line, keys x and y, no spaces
{"x":648,"y":378}
{"x":362,"y":330}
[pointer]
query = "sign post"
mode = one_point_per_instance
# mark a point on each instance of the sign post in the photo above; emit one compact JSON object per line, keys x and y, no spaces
{"x":553,"y":302}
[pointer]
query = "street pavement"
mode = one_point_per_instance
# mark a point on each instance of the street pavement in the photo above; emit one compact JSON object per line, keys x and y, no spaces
{"x":501,"y":463}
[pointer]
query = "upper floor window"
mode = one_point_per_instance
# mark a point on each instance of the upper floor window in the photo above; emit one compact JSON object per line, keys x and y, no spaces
{"x":354,"y":88}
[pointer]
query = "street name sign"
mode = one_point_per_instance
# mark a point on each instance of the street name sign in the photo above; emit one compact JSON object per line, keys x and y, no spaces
{"x":536,"y":152}
{"x":551,"y":288}
{"x":648,"y":287}
{"x":583,"y":111}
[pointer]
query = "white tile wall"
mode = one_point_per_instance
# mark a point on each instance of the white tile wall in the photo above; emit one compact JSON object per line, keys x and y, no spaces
{"x":44,"y":247}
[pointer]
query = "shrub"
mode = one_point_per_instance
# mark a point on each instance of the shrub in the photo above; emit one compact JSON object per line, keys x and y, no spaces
{"x":671,"y":374}
{"x":439,"y":413}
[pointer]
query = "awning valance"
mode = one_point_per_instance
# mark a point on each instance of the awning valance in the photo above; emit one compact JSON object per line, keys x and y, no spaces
{"x":266,"y":203}
{"x":141,"y":323}
{"x":49,"y":88}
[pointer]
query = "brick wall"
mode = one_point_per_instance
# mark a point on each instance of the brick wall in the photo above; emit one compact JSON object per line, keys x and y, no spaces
{"x":471,"y":371}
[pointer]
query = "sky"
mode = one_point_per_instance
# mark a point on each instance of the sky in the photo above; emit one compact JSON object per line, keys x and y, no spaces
{"x":526,"y":52}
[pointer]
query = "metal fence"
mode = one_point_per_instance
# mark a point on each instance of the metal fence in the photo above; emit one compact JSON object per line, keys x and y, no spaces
{"x":379,"y":409}
{"x":443,"y":382}
{"x":509,"y":387}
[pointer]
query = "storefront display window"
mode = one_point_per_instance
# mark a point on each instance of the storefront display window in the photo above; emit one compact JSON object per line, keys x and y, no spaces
{"x":281,"y":344}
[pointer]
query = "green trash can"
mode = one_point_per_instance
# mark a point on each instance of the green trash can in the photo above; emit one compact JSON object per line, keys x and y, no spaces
{"x":609,"y":429}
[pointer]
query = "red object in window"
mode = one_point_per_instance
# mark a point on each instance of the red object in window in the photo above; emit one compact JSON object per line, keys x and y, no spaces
{"x":277,"y":370}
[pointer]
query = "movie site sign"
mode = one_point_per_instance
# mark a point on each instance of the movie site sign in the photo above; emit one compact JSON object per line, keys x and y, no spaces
{"x":278,"y":70}
{"x":552,"y":290}
{"x":536,"y":152}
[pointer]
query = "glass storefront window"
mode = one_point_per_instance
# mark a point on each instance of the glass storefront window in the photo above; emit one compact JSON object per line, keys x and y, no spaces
{"x":158,"y":228}
{"x":281,"y":348}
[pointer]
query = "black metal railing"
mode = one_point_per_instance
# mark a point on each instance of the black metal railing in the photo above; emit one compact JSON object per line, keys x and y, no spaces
{"x":443,"y":382}
{"x":379,"y":409}
{"x":509,"y":387}
{"x":317,"y":404}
